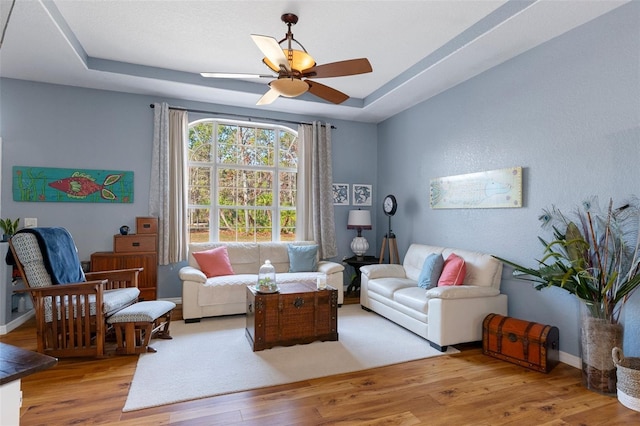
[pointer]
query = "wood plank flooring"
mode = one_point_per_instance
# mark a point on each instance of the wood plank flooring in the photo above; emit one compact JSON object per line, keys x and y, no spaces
{"x":464,"y":389}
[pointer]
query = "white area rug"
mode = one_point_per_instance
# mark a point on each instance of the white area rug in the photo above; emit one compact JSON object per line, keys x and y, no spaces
{"x":214,"y":357}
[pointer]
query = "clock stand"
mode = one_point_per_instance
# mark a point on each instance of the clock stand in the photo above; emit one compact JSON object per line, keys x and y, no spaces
{"x":389,"y":241}
{"x":389,"y":207}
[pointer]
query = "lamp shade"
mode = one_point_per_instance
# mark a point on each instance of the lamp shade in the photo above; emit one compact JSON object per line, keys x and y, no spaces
{"x":298,"y":60}
{"x":289,"y":87}
{"x":359,"y":219}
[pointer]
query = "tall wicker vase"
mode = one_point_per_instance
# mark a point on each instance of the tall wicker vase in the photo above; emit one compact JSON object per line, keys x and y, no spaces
{"x":598,"y":338}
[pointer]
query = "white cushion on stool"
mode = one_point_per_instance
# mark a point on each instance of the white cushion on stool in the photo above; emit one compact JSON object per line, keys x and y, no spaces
{"x":142,"y":311}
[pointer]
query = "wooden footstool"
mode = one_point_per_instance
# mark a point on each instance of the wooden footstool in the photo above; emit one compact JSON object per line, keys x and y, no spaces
{"x":135,"y":325}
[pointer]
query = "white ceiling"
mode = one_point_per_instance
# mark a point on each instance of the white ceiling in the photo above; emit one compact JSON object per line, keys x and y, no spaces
{"x":417,"y":48}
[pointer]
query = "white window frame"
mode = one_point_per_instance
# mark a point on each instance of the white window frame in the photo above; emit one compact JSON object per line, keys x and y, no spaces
{"x":214,"y":207}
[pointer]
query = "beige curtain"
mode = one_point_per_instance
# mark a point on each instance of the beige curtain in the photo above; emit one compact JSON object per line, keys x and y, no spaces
{"x":315,"y":201}
{"x":168,"y":189}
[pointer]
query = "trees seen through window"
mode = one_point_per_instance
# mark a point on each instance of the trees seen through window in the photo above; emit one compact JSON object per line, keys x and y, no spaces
{"x":242,"y":182}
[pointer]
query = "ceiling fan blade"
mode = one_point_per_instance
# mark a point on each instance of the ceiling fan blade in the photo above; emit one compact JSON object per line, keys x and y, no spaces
{"x":327,"y":93}
{"x":268,"y":97}
{"x":233,"y":75}
{"x":271,"y":50}
{"x":339,"y":69}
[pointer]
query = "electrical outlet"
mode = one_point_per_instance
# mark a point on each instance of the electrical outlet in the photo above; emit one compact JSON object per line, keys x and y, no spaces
{"x":30,"y":222}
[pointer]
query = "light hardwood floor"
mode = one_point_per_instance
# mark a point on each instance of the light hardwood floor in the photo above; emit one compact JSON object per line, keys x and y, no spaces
{"x":467,"y":388}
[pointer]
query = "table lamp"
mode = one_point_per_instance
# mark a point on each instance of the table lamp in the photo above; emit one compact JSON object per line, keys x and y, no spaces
{"x":359,"y":219}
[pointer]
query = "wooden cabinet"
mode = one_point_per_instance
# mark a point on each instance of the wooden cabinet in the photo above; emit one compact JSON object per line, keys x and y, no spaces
{"x":138,"y":250}
{"x":147,"y":280}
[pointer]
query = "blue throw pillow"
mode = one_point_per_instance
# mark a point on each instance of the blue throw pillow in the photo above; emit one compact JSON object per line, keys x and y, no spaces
{"x":303,"y":258}
{"x":431,"y":270}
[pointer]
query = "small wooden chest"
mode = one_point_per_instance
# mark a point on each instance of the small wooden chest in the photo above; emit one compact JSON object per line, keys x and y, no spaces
{"x":135,"y":243}
{"x":525,"y":343}
{"x":299,"y":313}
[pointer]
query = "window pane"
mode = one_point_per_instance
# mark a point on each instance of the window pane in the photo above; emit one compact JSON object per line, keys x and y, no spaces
{"x":287,"y":189}
{"x":227,"y":228}
{"x":264,"y":180}
{"x":227,"y":196}
{"x":287,"y":225}
{"x":200,"y":138}
{"x":245,"y":184}
{"x":288,"y":150}
{"x":247,"y":146}
{"x":264,"y":156}
{"x":245,"y":225}
{"x":200,"y":185}
{"x":264,"y":198}
{"x":264,"y":188}
{"x":227,"y":146}
{"x":265,"y":137}
{"x":198,"y":225}
{"x":247,"y":155}
{"x":265,"y":143}
{"x":288,"y":186}
{"x":227,"y":191}
{"x":238,"y":187}
{"x":263,"y":225}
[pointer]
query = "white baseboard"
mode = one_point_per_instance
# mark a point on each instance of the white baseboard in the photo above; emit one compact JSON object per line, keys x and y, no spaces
{"x":6,"y":328}
{"x":569,"y":359}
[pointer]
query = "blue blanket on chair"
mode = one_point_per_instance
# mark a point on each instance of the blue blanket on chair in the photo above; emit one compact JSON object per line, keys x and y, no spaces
{"x":59,"y":253}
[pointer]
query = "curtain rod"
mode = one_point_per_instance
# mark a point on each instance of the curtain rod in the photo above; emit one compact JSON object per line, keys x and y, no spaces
{"x":236,"y":115}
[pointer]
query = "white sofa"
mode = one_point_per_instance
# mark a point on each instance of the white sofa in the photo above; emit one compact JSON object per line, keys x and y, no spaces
{"x":227,"y":295}
{"x":442,"y":315}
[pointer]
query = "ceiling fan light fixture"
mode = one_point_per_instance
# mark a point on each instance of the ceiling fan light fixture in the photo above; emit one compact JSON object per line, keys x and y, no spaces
{"x":301,"y":60}
{"x":289,"y":87}
{"x":295,"y":68}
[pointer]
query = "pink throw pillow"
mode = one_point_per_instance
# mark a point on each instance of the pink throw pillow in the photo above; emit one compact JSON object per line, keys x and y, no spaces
{"x":214,"y":262}
{"x":453,"y":271}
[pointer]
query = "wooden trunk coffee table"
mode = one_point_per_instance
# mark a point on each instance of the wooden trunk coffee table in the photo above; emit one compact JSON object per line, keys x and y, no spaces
{"x":299,"y":313}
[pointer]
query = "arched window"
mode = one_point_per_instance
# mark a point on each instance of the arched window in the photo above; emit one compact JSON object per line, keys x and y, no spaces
{"x":242,"y":181}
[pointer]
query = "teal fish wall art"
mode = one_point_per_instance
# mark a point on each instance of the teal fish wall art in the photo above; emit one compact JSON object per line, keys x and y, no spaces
{"x":47,"y":184}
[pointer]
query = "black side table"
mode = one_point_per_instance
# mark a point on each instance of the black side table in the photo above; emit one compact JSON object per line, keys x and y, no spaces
{"x":356,"y":264}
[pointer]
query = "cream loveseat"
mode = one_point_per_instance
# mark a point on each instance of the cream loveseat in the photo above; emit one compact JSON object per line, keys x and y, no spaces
{"x":226,"y":295}
{"x":442,"y":315}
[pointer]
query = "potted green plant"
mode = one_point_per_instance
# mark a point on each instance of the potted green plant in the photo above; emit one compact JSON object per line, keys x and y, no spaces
{"x":9,"y":227}
{"x":595,"y":255}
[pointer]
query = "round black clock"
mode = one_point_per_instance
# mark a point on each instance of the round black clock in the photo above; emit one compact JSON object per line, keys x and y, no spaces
{"x":389,"y":205}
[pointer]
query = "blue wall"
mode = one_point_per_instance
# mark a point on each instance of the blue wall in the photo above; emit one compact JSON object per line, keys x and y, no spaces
{"x":568,"y":112}
{"x":59,"y":126}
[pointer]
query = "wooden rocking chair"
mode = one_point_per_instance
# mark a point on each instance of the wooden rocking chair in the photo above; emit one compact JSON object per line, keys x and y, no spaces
{"x":71,"y":318}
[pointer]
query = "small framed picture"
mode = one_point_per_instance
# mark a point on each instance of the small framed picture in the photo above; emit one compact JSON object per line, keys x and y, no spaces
{"x":340,"y":194}
{"x":362,"y":195}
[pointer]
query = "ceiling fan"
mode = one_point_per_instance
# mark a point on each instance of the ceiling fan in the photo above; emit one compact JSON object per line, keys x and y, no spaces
{"x":295,"y":67}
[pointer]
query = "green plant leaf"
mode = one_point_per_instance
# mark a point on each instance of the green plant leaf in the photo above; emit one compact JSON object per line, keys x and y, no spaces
{"x":596,"y":257}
